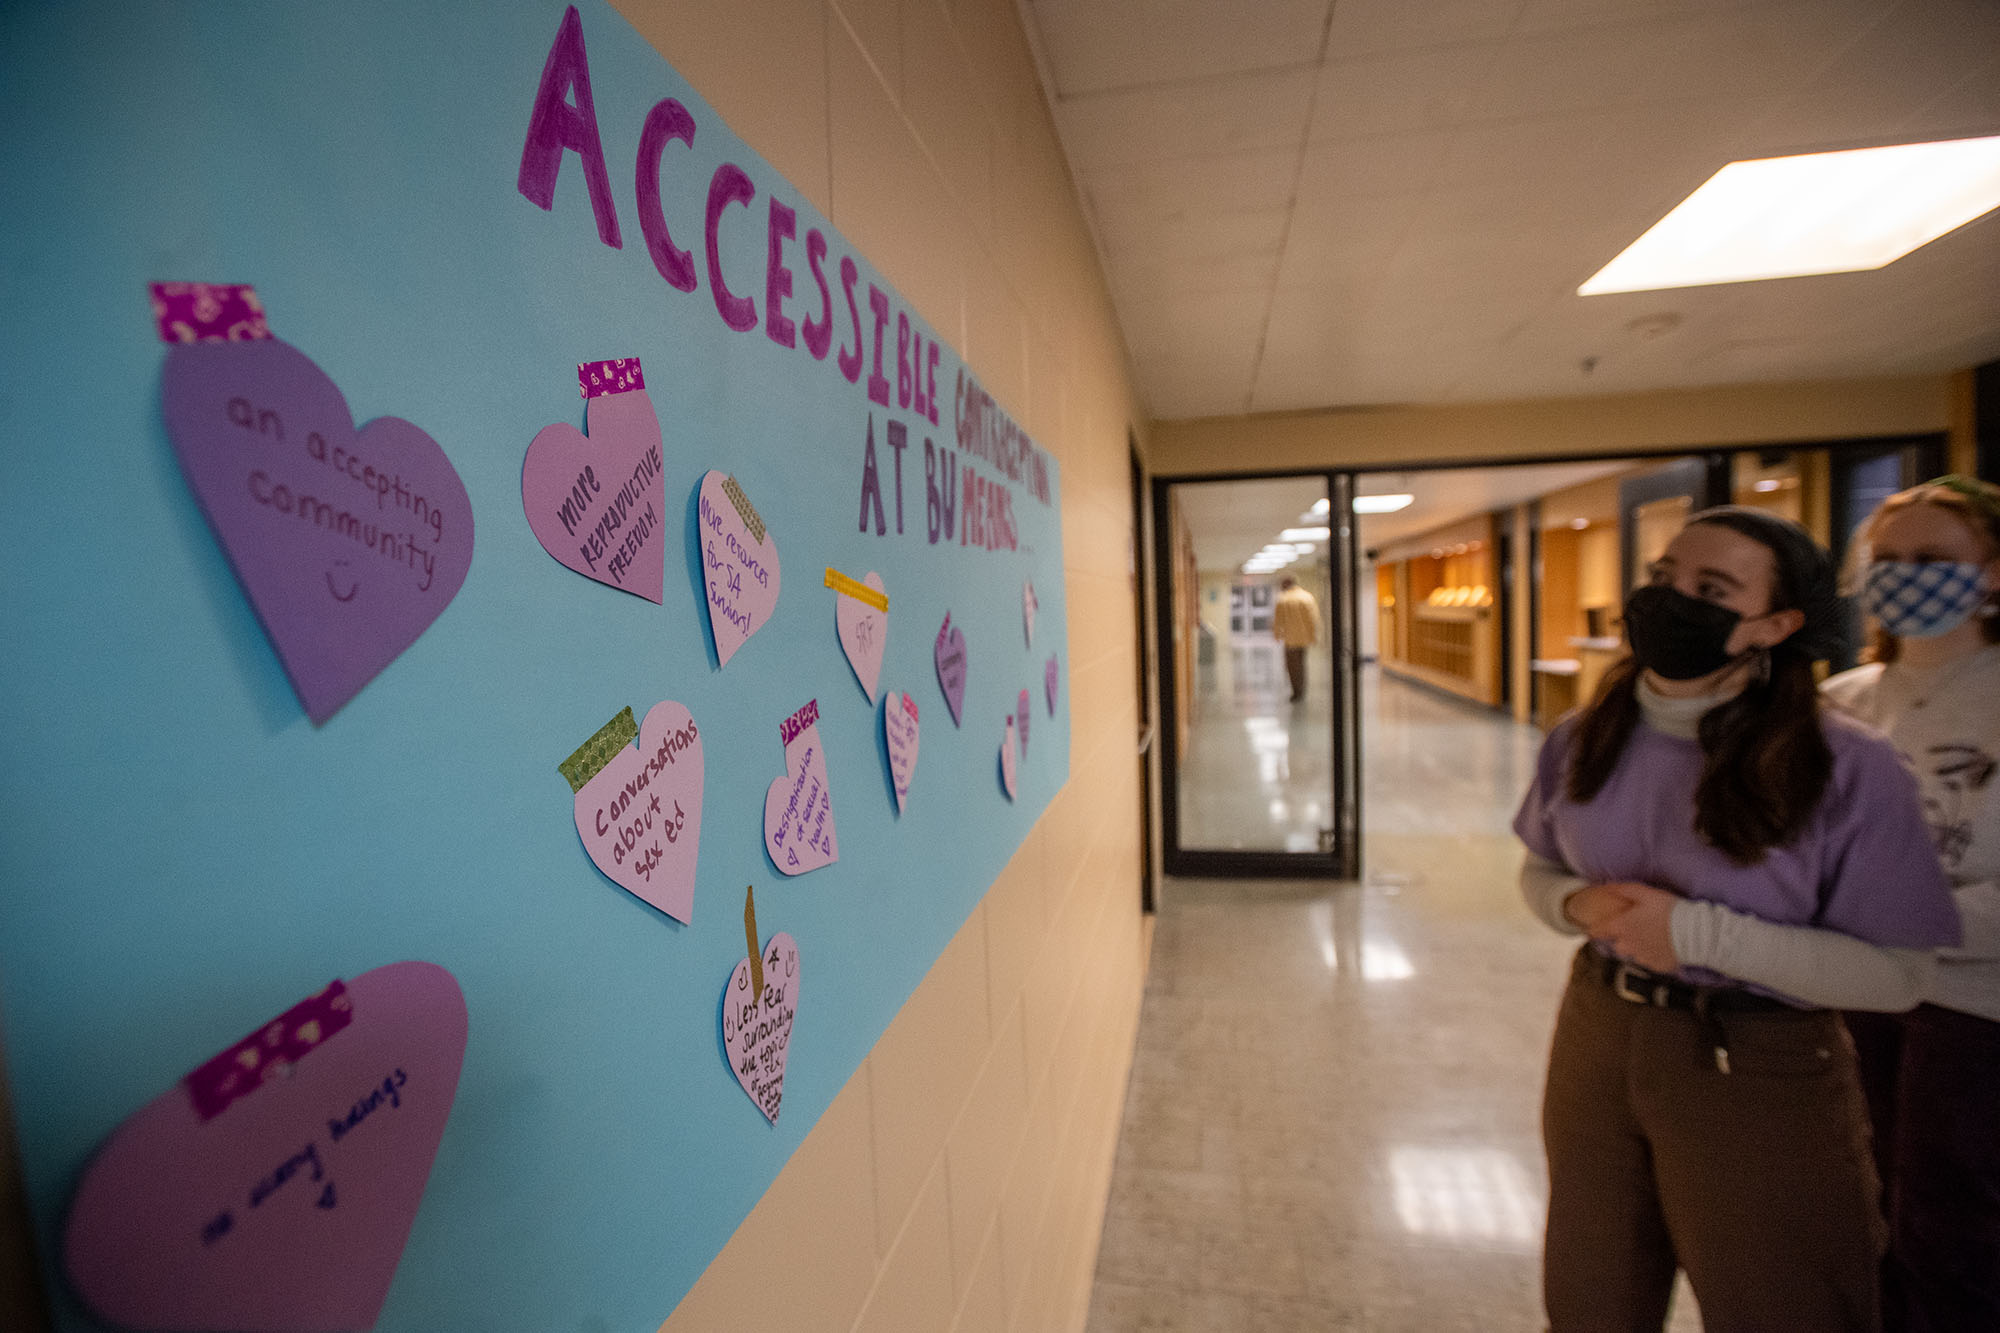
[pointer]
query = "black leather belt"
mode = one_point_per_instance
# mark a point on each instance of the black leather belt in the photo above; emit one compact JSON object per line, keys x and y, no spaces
{"x":1628,"y":981}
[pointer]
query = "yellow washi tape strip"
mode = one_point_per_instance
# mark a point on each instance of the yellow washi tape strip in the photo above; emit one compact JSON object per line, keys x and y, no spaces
{"x":591,"y":757}
{"x":860,"y":592}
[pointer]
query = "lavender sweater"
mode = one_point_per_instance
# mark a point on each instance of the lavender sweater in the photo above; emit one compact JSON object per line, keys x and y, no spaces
{"x":1862,"y":867}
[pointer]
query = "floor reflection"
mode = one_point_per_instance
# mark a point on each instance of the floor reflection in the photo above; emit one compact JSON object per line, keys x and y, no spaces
{"x":1256,"y":770}
{"x":1332,"y":1120}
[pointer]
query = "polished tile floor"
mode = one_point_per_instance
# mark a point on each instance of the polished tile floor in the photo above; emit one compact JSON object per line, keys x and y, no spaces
{"x":1258,"y":771}
{"x":1332,"y":1116}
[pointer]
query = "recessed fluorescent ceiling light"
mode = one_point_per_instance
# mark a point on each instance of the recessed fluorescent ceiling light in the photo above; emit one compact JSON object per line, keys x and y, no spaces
{"x":1382,"y":504}
{"x":1305,"y":534}
{"x":1782,"y":217}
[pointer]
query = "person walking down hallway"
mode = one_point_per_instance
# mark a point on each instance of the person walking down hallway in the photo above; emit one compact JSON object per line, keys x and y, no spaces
{"x":1295,"y":620}
{"x":1930,"y":567}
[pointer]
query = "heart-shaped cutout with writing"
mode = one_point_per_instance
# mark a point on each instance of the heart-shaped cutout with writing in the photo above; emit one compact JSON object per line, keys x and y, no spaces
{"x":594,"y":502}
{"x":900,"y":732}
{"x":864,"y":635}
{"x":1022,"y":713}
{"x":1051,"y":676}
{"x":1029,"y":605}
{"x":950,"y":655}
{"x":798,"y":808}
{"x":1007,"y":761}
{"x":757,"y":1029}
{"x":349,"y":543}
{"x":640,"y":816}
{"x":274,"y":1187}
{"x":739,"y":564}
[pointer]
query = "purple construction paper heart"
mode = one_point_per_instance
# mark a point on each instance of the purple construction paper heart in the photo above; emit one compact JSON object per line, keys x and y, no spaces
{"x":1007,"y":761}
{"x":739,"y":565}
{"x":1022,"y":713}
{"x":1051,"y":676}
{"x":950,"y":655}
{"x":595,"y":502}
{"x":640,"y":816}
{"x":757,"y":1030}
{"x":798,"y":808}
{"x":349,"y":543}
{"x":287,"y":1209}
{"x":900,"y":731}
{"x":864,"y":635}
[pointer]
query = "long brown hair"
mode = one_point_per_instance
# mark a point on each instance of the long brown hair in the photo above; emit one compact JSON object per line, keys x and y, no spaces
{"x":1973,"y":503}
{"x":1765,"y":760}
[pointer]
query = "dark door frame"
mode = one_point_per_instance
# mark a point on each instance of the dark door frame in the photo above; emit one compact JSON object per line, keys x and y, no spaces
{"x":1341,"y":859}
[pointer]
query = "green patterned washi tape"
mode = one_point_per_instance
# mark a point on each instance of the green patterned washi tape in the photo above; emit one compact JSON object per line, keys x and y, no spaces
{"x":591,"y":757}
{"x":744,"y":509}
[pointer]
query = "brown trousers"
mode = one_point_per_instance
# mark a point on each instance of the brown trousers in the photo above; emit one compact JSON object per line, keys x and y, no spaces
{"x":1758,"y":1182}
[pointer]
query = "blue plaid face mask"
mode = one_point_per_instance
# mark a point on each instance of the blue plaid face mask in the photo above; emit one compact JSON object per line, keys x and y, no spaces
{"x":1918,"y":601}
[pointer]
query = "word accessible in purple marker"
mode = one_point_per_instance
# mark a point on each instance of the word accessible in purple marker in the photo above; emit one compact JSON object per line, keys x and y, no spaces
{"x":638,"y":811}
{"x":350,"y":543}
{"x":595,"y":502}
{"x":739,"y":564}
{"x":757,"y":1022}
{"x":274,"y":1187}
{"x":900,"y":734}
{"x":798,"y":808}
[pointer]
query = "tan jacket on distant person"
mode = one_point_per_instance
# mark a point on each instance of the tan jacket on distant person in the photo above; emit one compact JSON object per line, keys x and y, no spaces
{"x":1295,"y":619}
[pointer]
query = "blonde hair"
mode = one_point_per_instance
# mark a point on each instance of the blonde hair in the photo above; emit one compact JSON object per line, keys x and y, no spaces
{"x":1974,"y":503}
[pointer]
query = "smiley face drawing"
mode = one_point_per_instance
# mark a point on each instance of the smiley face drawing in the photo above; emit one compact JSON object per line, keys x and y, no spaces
{"x":353,"y":584}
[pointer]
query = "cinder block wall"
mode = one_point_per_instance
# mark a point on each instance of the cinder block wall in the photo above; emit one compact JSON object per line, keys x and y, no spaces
{"x":958,"y":1181}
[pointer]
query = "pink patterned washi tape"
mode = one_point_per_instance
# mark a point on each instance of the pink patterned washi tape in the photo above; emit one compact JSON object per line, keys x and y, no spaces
{"x":193,"y":312}
{"x":910,"y":707}
{"x":597,"y":378}
{"x":798,"y":722}
{"x":268,"y":1052}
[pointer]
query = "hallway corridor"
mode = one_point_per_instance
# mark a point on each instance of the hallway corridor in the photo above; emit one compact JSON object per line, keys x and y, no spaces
{"x":1332,"y":1115}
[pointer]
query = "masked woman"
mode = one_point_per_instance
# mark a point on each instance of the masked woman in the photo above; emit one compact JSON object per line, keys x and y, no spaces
{"x":1931,"y":563}
{"x":1745,"y":866}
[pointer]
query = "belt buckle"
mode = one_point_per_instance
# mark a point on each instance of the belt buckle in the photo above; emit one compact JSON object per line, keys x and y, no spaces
{"x":1622,"y":986}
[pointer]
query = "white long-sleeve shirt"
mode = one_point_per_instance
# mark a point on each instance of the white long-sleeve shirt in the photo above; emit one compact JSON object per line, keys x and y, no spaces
{"x":1945,"y":723}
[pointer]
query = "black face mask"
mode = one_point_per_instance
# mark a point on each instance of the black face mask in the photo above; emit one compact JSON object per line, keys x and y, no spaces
{"x":1675,"y":636}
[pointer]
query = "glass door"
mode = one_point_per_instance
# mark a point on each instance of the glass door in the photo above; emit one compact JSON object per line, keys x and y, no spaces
{"x":1255,"y":626}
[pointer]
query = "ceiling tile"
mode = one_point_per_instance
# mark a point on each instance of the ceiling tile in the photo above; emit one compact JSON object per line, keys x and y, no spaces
{"x":1251,"y":272}
{"x":1096,"y":45}
{"x":1372,"y":27}
{"x":1380,"y":164}
{"x":1184,"y":186}
{"x":1239,"y":113}
{"x":1396,"y":94}
{"x":1127,"y":235}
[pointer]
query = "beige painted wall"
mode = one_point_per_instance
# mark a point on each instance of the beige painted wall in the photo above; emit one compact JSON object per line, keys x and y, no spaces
{"x":1611,"y":424}
{"x":958,"y":1181}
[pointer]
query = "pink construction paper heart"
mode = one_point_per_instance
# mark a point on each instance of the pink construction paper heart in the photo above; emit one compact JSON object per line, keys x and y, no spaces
{"x":739,"y":565}
{"x":640,"y":816}
{"x":595,"y":502}
{"x":1007,"y":762}
{"x":900,"y":732}
{"x":349,"y":543}
{"x":864,"y":635}
{"x":287,"y":1208}
{"x":1022,"y":713}
{"x":1028,"y":608}
{"x":798,"y":808}
{"x":950,"y":655}
{"x":1051,"y":675}
{"x":757,"y":1029}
